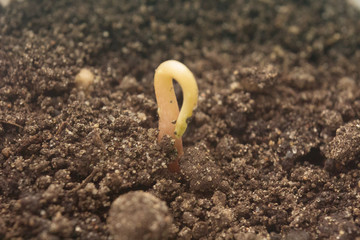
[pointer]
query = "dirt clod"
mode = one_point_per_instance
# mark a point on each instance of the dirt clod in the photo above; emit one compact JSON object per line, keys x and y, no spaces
{"x":345,"y":146}
{"x":139,"y":215}
{"x":200,"y":170}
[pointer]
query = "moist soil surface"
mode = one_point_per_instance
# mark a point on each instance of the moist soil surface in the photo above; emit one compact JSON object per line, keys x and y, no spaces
{"x":272,"y":151}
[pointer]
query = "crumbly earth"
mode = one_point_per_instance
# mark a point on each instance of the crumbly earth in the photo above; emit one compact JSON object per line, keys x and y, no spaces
{"x":272,"y":151}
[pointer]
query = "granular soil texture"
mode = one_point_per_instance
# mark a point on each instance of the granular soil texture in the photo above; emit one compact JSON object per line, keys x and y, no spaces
{"x":272,"y":151}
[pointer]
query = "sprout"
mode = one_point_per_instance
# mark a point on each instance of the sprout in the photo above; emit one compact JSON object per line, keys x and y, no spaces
{"x":171,"y":122}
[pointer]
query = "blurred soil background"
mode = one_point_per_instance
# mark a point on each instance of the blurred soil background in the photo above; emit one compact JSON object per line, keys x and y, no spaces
{"x":272,"y":151}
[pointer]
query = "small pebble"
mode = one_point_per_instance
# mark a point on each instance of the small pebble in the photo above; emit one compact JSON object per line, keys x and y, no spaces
{"x":84,"y":79}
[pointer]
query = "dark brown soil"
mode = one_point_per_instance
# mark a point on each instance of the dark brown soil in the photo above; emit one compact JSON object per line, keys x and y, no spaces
{"x":272,"y":151}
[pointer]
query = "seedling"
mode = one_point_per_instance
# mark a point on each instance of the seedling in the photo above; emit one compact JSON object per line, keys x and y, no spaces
{"x":171,"y":122}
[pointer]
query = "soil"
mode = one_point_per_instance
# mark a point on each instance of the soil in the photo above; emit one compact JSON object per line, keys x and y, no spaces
{"x":272,"y":151}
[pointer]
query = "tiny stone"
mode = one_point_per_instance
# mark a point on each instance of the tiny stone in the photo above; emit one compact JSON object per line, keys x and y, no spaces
{"x":6,"y":152}
{"x":4,"y":3}
{"x":84,"y":79}
{"x":185,"y":234}
{"x":346,"y":83}
{"x":129,"y":83}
